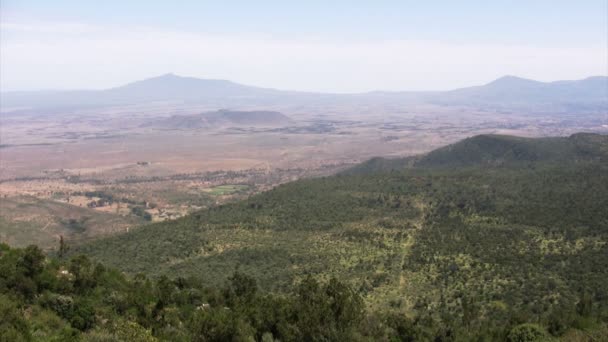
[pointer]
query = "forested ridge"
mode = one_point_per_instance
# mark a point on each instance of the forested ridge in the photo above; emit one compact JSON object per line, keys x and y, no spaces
{"x":493,"y":150}
{"x":492,"y":238}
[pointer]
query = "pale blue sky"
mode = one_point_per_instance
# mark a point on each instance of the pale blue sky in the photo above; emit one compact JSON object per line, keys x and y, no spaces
{"x":307,"y":45}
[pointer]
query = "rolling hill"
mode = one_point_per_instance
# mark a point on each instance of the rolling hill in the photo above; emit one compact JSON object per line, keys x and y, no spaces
{"x":485,"y":229}
{"x":26,"y":220}
{"x":508,"y":150}
{"x":499,"y":150}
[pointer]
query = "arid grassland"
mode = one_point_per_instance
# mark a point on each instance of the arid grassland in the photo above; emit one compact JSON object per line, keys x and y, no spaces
{"x":157,"y":162}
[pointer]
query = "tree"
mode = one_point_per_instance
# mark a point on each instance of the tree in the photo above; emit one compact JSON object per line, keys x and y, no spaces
{"x":327,"y":312}
{"x":83,"y":273}
{"x":345,"y":304}
{"x":32,"y":261}
{"x":526,"y":333}
{"x":131,"y":331}
{"x":63,"y":247}
{"x":13,"y":326}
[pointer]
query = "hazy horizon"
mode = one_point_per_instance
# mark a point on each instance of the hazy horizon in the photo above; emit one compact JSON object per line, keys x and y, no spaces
{"x":279,"y":89}
{"x":340,"y":48}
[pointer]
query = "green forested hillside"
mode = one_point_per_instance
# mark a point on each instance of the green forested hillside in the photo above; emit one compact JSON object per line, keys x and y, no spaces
{"x":492,"y":238}
{"x":499,"y":150}
{"x":513,"y":225}
{"x":509,"y":150}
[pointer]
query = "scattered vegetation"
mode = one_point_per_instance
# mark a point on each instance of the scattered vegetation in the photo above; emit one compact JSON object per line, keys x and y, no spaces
{"x":477,"y":249}
{"x":491,"y":249}
{"x":26,"y":220}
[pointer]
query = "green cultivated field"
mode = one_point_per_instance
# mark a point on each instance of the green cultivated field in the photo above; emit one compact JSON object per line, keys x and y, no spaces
{"x":228,"y":189}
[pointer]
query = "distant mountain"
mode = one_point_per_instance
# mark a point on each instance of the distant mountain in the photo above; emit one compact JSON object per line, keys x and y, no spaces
{"x":171,"y":87}
{"x":165,"y":88}
{"x":223,"y":118}
{"x":516,"y":92}
{"x":509,"y":92}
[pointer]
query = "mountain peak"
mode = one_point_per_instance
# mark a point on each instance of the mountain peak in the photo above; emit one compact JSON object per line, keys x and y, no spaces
{"x":169,"y":75}
{"x":174,"y":78}
{"x":172,"y":87}
{"x":173,"y":81}
{"x":510,"y":80}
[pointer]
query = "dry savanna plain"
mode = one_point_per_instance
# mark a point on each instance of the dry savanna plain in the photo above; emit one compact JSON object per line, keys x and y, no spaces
{"x":84,"y":173}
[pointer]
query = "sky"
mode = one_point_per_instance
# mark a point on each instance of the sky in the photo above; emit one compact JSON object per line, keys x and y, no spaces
{"x":329,"y":46}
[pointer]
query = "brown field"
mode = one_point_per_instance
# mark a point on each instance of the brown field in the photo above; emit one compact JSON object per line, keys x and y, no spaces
{"x":29,"y":220}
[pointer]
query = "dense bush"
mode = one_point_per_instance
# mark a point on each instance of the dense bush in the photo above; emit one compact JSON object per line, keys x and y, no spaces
{"x":76,"y":299}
